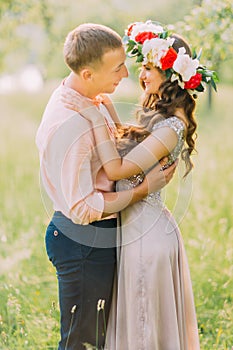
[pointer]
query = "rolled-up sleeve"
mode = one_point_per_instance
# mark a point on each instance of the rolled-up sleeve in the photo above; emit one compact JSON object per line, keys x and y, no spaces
{"x":69,"y":166}
{"x":88,"y":210}
{"x":84,"y":202}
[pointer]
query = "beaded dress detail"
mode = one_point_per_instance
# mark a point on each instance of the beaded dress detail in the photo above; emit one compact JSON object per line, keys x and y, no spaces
{"x":153,"y":306}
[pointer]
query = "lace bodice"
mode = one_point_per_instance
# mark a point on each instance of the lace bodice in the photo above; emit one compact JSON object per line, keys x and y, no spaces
{"x":178,"y":126}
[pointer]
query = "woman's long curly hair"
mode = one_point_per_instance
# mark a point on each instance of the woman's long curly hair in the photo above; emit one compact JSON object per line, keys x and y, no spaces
{"x":157,"y":107}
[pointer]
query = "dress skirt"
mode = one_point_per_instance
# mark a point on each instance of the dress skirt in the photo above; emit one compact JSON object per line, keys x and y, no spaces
{"x":153,"y":305}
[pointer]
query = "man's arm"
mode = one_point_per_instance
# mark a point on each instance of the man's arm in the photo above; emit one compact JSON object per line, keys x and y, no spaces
{"x":154,"y":181}
{"x":68,"y":165}
{"x":88,"y":210}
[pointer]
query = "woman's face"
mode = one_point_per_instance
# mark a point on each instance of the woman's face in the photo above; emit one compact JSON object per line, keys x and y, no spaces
{"x":151,"y":78}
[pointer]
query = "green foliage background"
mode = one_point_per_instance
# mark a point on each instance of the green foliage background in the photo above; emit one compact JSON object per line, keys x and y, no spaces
{"x":33,"y":31}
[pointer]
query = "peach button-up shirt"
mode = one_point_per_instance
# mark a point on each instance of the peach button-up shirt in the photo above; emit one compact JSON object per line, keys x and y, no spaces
{"x":71,"y":171}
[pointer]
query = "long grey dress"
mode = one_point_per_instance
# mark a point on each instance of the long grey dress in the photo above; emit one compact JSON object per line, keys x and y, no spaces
{"x":153,"y":306}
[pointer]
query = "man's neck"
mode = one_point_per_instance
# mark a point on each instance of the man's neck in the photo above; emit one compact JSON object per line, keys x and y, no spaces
{"x":74,"y":82}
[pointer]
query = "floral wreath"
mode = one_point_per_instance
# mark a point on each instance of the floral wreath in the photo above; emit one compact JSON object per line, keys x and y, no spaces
{"x":151,"y":43}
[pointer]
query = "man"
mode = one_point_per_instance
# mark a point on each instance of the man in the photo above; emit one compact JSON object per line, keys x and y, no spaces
{"x":80,"y":239}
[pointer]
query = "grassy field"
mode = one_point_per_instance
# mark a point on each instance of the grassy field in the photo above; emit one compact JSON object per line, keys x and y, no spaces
{"x":29,"y":317}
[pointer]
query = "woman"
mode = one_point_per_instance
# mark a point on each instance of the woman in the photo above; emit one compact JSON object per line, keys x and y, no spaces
{"x":154,"y":307}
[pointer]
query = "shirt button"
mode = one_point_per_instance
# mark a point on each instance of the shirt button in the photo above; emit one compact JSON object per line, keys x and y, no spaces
{"x":55,"y":233}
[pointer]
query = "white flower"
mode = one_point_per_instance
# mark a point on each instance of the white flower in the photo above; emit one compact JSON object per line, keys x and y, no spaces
{"x":185,"y":65}
{"x":100,"y":304}
{"x":154,"y":49}
{"x":175,"y":77}
{"x":148,"y":26}
{"x":73,"y":309}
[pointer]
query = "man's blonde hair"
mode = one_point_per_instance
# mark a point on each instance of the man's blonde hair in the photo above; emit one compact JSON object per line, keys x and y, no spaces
{"x":86,"y":45}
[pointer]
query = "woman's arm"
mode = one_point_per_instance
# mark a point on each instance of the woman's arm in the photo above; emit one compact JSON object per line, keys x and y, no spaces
{"x":147,"y":153}
{"x":156,"y":146}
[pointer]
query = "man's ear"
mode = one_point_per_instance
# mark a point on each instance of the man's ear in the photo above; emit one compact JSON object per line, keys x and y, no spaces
{"x":86,"y":74}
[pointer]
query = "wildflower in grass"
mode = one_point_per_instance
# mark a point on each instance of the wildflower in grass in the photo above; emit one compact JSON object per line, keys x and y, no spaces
{"x":13,"y":305}
{"x":71,"y":323}
{"x":4,"y":336}
{"x":100,"y":306}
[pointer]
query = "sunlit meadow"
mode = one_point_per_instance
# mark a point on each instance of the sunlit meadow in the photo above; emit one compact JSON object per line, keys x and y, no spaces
{"x":29,"y":316}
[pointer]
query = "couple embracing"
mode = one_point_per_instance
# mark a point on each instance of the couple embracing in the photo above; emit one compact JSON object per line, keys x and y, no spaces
{"x":123,"y":276}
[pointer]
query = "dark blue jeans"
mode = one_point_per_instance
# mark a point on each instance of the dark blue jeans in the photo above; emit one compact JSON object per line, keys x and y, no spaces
{"x":85,"y":275}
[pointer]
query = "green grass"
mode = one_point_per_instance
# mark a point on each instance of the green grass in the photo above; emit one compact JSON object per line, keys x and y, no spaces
{"x":207,"y":223}
{"x":209,"y":226}
{"x":29,"y":316}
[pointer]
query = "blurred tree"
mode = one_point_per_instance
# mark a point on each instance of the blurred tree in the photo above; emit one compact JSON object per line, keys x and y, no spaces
{"x":210,"y":27}
{"x":33,"y":31}
{"x":23,"y":27}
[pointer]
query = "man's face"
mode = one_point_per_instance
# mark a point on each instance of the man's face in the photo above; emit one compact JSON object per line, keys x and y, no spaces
{"x":110,"y":72}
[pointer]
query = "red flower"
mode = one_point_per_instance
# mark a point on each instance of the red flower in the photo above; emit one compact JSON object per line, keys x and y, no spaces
{"x":193,"y":82}
{"x":168,"y":60}
{"x":141,"y":37}
{"x":130,"y":29}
